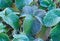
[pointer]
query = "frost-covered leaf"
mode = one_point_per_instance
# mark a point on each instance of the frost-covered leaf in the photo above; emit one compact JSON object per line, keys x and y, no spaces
{"x":55,"y":33}
{"x":21,"y":3}
{"x":52,"y":17}
{"x":20,"y":37}
{"x":5,"y":3}
{"x":27,"y":24}
{"x":4,"y":37}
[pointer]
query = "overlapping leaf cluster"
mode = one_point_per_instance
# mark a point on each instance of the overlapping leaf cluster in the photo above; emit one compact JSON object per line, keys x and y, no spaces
{"x":27,"y":20}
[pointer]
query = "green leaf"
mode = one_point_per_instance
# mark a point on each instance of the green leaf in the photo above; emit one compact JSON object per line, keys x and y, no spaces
{"x":52,"y":6}
{"x":44,"y":3}
{"x":47,"y":4}
{"x":52,"y":17}
{"x":10,"y":10}
{"x":5,"y":3}
{"x":31,"y":23}
{"x":41,"y":7}
{"x":10,"y":18}
{"x":2,"y":27}
{"x":37,"y":23}
{"x":4,"y":37}
{"x":9,"y":2}
{"x":37,"y":14}
{"x":21,"y":3}
{"x":20,"y":37}
{"x":27,"y":24}
{"x":55,"y":33}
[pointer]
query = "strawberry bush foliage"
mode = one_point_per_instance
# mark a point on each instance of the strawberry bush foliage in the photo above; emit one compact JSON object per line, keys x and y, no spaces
{"x":29,"y":20}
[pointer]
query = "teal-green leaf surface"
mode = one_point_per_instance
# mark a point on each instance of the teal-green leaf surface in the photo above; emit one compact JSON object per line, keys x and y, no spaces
{"x":2,"y":27}
{"x":52,"y":6}
{"x":21,"y":3}
{"x":27,"y":24}
{"x":5,"y":3}
{"x":4,"y":37}
{"x":20,"y":37}
{"x":52,"y":17}
{"x":55,"y":33}
{"x":10,"y":18}
{"x":44,"y":3}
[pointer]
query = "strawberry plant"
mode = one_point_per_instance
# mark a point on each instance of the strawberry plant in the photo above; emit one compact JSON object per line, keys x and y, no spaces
{"x":29,"y":20}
